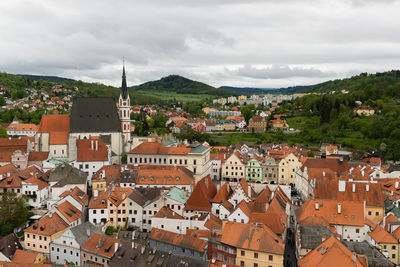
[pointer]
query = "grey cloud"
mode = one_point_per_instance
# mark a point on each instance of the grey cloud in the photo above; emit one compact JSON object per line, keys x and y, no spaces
{"x":279,"y":72}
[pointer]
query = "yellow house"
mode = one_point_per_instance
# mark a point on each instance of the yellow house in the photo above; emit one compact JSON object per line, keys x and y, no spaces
{"x":39,"y":235}
{"x":118,"y":206}
{"x":256,"y":245}
{"x":242,"y":98}
{"x":388,"y":244}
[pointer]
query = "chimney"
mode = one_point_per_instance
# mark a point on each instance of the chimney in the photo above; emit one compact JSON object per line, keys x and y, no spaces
{"x":342,"y":185}
{"x":339,"y":208}
{"x":224,"y":156}
{"x":97,"y":145}
{"x":354,"y":188}
{"x":249,"y":191}
{"x":316,"y":206}
{"x":91,"y":145}
{"x":396,"y":184}
{"x":367,"y":188}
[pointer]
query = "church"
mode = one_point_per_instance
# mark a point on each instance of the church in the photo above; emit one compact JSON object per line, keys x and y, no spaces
{"x":90,"y":118}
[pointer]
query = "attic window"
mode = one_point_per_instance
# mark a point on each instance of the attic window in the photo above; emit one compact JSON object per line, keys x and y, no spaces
{"x":151,"y":178}
{"x":142,"y":178}
{"x":169,"y":178}
{"x":177,"y":178}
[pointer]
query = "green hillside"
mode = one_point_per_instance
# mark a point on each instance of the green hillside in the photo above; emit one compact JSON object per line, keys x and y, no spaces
{"x":180,"y":85}
{"x":366,"y":85}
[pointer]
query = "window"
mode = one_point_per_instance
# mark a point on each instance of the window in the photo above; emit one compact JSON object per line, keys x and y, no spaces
{"x":357,"y":230}
{"x":384,"y":246}
{"x":271,"y":258}
{"x":255,"y":255}
{"x":369,"y":213}
{"x":377,"y":213}
{"x":242,"y":253}
{"x":255,"y":265}
{"x":241,"y":263}
{"x":393,"y":256}
{"x":393,"y":247}
{"x":94,"y":211}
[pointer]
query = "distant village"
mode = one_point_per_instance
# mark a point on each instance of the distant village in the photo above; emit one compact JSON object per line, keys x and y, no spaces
{"x":99,"y":195}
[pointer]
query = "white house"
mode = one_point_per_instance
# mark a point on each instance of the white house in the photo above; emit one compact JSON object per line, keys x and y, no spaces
{"x":98,"y":212}
{"x":241,"y":214}
{"x":37,"y":192}
{"x":175,"y":199}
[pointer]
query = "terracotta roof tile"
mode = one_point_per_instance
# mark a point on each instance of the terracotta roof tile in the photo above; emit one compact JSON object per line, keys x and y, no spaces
{"x":22,"y":127}
{"x":164,"y":175}
{"x":86,"y":150}
{"x":202,"y":194}
{"x":54,"y":123}
{"x":77,"y":194}
{"x":101,"y":244}
{"x":41,"y":184}
{"x":380,"y":235}
{"x":12,"y":181}
{"x":159,"y":149}
{"x":166,"y":212}
{"x":38,"y":156}
{"x":180,"y":240}
{"x":48,"y":225}
{"x":69,"y":211}
{"x":331,"y":253}
{"x":252,"y":237}
{"x":99,"y":202}
{"x":24,"y":256}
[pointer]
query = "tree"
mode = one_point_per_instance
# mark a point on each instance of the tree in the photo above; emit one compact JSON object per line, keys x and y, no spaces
{"x":247,"y":113}
{"x":3,"y":132}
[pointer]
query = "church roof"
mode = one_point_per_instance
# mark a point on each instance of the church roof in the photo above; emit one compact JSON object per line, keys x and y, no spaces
{"x":124,"y":89}
{"x":94,"y":114}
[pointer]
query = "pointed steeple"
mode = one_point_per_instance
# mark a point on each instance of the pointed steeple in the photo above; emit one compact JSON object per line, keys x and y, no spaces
{"x":124,"y":88}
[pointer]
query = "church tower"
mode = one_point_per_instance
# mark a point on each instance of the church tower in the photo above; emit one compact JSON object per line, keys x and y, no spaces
{"x":124,"y":109}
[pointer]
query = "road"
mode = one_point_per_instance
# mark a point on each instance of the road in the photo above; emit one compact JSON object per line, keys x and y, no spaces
{"x":289,"y":256}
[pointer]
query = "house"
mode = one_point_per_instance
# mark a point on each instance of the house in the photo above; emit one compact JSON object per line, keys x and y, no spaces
{"x":97,"y":209}
{"x":121,"y":174}
{"x":234,"y":167}
{"x":67,"y":247}
{"x":199,"y":200}
{"x":256,"y":245}
{"x":92,"y":154}
{"x":221,"y":207}
{"x":37,"y":158}
{"x":195,"y":157}
{"x":143,"y":203}
{"x":199,"y":127}
{"x":242,"y":191}
{"x":270,"y":170}
{"x":287,"y":167}
{"x":38,"y":236}
{"x":11,"y":184}
{"x":28,"y":257}
{"x":364,"y":111}
{"x":65,"y":177}
{"x":216,"y":160}
{"x":210,"y":125}
{"x":331,"y":150}
{"x":21,"y":129}
{"x":254,"y":171}
{"x":52,"y":135}
{"x":176,"y":198}
{"x":257,"y":124}
{"x":331,"y":253}
{"x":99,"y":249}
{"x":279,"y":124}
{"x":76,"y":197}
{"x":389,"y":245}
{"x":69,"y":213}
{"x":117,"y":203}
{"x":182,"y":245}
{"x":37,"y":192}
{"x":7,"y":170}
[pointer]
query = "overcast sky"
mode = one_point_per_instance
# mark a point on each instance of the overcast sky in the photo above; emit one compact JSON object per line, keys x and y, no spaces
{"x":255,"y":43}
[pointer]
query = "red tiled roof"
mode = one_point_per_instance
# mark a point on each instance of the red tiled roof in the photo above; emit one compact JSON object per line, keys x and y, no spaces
{"x":22,"y":127}
{"x":380,"y":235}
{"x":202,"y":195}
{"x":77,"y":194}
{"x":69,"y":211}
{"x":41,"y":184}
{"x":24,"y":256}
{"x":54,"y":123}
{"x":38,"y":156}
{"x":101,"y":244}
{"x":86,"y":150}
{"x":331,"y":253}
{"x":159,"y":149}
{"x":48,"y":225}
{"x":180,"y":240}
{"x":164,"y":175}
{"x":252,"y":237}
{"x":166,"y":212}
{"x":12,"y":181}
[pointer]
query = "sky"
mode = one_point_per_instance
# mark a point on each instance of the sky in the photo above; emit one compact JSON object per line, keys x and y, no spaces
{"x":245,"y":43}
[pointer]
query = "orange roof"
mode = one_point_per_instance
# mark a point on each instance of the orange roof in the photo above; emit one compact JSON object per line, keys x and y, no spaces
{"x":12,"y":181}
{"x":58,"y":138}
{"x":252,"y":237}
{"x":13,"y":144}
{"x":222,"y":196}
{"x":48,"y":225}
{"x":380,"y":235}
{"x":352,"y":213}
{"x":22,"y":127}
{"x":54,"y":123}
{"x":101,"y":244}
{"x":202,"y":195}
{"x":119,"y":194}
{"x":180,"y":240}
{"x":99,"y":202}
{"x":77,"y":194}
{"x":396,"y":233}
{"x":14,"y":264}
{"x":331,"y":253}
{"x":167,"y":213}
{"x":164,"y":175}
{"x":213,"y":222}
{"x":159,"y":149}
{"x":8,"y":168}
{"x":69,"y":211}
{"x":41,"y":184}
{"x":373,"y":161}
{"x":24,"y":256}
{"x":245,"y":208}
{"x":86,"y":150}
{"x":38,"y":156}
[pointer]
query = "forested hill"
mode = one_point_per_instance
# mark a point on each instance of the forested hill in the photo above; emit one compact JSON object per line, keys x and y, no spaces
{"x":259,"y":91}
{"x":180,"y":85}
{"x":369,"y":85}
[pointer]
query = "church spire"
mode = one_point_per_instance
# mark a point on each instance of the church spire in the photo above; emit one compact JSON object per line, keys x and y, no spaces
{"x":124,"y":88}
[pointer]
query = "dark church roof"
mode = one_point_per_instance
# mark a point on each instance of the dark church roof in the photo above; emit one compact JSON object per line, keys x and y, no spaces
{"x":94,"y":114}
{"x":124,"y":89}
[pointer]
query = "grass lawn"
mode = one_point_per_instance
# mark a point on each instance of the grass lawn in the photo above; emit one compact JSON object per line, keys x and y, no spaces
{"x":172,"y":95}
